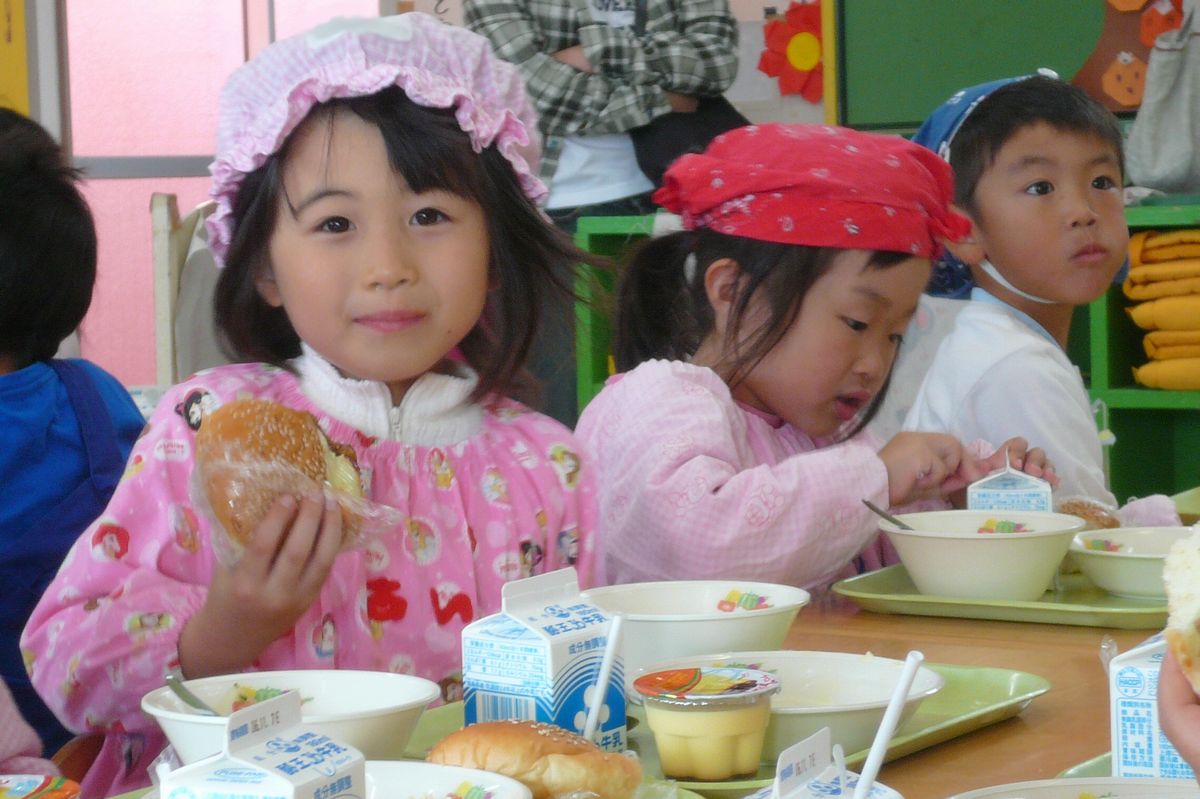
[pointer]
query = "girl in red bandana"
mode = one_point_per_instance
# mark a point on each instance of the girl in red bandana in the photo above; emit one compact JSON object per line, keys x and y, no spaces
{"x":756,"y":344}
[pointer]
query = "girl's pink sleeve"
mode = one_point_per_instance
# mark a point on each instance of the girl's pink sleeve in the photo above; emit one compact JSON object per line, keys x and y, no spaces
{"x":682,"y":495}
{"x":107,"y":627}
{"x":19,"y":744}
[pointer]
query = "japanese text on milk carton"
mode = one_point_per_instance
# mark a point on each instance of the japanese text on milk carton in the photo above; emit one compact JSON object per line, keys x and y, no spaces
{"x":269,"y":755}
{"x":1009,"y":489}
{"x":538,"y":659}
{"x":1139,"y":747}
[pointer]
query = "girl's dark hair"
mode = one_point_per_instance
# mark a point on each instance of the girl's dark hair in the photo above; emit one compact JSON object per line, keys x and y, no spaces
{"x":531,"y":262}
{"x":47,"y":243}
{"x":663,"y":309}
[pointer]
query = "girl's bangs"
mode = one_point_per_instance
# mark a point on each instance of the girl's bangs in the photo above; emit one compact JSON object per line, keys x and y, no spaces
{"x":425,"y":146}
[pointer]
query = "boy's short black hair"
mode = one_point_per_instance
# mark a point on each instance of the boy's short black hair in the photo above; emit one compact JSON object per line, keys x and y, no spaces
{"x":1014,"y":107}
{"x":47,"y":243}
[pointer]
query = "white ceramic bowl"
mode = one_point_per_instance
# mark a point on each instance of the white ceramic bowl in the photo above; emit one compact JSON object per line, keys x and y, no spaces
{"x":416,"y":780}
{"x":694,"y":617}
{"x":845,"y":692}
{"x":373,"y":711}
{"x":946,"y":555}
{"x":1107,"y":787}
{"x":1127,"y":561}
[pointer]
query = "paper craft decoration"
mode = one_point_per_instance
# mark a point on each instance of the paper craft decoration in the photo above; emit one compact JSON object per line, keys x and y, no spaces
{"x":1158,"y":18}
{"x":793,"y":53}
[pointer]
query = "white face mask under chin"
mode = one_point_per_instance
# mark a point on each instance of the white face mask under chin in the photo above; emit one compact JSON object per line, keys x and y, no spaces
{"x":994,"y":273}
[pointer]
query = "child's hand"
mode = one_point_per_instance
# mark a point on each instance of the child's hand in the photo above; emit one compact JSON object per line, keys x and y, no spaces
{"x":260,"y":599}
{"x":1031,"y":461}
{"x":1179,"y":711}
{"x":922,"y":465}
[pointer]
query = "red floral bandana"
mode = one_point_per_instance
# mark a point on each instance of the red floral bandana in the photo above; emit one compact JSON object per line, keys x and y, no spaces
{"x":817,"y":185}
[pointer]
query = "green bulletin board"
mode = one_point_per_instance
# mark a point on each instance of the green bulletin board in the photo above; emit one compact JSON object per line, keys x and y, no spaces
{"x":900,"y":59}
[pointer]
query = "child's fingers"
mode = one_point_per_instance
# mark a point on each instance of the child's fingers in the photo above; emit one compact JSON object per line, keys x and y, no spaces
{"x":267,"y":539}
{"x":325,"y":550}
{"x":297,"y":548}
{"x":1017,"y":449}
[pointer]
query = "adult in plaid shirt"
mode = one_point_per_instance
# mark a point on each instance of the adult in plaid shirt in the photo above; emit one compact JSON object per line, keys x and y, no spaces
{"x":594,"y":70}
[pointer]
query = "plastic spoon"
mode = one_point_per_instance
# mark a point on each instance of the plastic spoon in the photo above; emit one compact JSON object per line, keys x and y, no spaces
{"x":891,"y":716}
{"x":183,"y":692}
{"x":885,"y":515}
{"x":604,"y":677}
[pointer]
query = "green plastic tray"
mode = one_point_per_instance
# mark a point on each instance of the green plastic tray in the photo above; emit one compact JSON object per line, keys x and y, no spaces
{"x":1079,"y":602}
{"x":971,"y":698}
{"x":1188,"y":505}
{"x":1098,"y":766}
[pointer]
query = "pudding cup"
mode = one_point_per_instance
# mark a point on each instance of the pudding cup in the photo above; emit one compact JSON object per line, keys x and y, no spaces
{"x":708,"y":723}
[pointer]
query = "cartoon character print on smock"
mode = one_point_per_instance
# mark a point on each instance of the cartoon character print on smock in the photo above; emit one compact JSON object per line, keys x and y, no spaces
{"x":397,"y":602}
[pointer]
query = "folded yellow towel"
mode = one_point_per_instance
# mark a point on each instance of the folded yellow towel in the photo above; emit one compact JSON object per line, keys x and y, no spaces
{"x":1166,"y":345}
{"x":1161,"y":254}
{"x":1167,"y":313}
{"x":1181,"y":374}
{"x":1137,"y":242}
{"x":1172,"y":237}
{"x":1170,"y":270}
{"x":1159,"y":247}
{"x":1161,"y":288}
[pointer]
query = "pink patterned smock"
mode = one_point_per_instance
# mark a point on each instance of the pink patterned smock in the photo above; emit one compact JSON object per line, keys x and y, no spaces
{"x":490,"y":493}
{"x":695,"y":486}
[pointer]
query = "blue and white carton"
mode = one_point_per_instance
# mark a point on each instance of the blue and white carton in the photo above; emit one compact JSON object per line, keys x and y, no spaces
{"x":268,"y":755}
{"x":539,"y":657}
{"x":1139,"y":746}
{"x":1009,"y":489}
{"x":812,"y":769}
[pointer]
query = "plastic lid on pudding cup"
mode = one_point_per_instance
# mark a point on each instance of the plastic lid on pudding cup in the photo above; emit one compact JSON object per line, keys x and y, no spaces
{"x":704,"y":686}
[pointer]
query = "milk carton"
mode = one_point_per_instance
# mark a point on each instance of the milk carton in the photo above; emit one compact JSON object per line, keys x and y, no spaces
{"x":268,"y":755}
{"x":1009,"y":489}
{"x":538,"y":659}
{"x":1139,"y":747}
{"x":812,"y":769}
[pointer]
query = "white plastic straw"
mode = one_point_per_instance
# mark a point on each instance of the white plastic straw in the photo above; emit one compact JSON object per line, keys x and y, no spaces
{"x":891,"y":716}
{"x":839,"y":762}
{"x":603,"y":678}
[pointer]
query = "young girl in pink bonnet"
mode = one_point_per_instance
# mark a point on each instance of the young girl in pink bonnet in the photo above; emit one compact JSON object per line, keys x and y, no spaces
{"x":758,"y":342}
{"x":383,"y":263}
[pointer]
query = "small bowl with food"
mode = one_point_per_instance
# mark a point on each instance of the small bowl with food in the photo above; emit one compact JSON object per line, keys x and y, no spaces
{"x":373,"y":711}
{"x":986,"y":555}
{"x":691,"y":617}
{"x":848,"y":693}
{"x":1127,"y":561}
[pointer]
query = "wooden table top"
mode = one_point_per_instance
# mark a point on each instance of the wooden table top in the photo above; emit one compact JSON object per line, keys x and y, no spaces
{"x":1061,"y":728}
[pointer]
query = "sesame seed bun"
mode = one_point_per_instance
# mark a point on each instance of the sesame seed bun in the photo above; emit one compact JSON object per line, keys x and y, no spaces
{"x":550,"y":761}
{"x":251,"y":451}
{"x":1096,"y":515}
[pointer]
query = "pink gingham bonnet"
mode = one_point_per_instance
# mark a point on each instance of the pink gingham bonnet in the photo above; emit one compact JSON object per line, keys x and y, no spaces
{"x":437,"y":65}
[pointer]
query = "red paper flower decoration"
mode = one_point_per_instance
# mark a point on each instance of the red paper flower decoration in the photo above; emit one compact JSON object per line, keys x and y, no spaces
{"x":793,"y":53}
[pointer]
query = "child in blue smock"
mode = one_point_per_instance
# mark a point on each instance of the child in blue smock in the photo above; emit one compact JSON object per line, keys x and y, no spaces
{"x":66,"y":426}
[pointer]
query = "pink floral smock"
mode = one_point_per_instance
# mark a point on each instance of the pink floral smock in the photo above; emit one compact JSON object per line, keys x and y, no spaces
{"x":490,"y":493}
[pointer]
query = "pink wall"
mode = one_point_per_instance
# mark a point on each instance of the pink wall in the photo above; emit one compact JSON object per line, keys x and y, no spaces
{"x":145,"y":83}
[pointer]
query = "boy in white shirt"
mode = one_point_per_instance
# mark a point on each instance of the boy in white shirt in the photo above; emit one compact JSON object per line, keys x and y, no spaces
{"x":1038,"y":170}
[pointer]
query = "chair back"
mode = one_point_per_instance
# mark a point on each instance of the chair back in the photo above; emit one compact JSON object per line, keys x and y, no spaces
{"x":179,"y":251}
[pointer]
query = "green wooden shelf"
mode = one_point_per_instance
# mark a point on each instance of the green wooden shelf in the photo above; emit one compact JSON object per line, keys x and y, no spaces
{"x":1167,"y":214}
{"x":1149,"y":398}
{"x":1158,"y":431}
